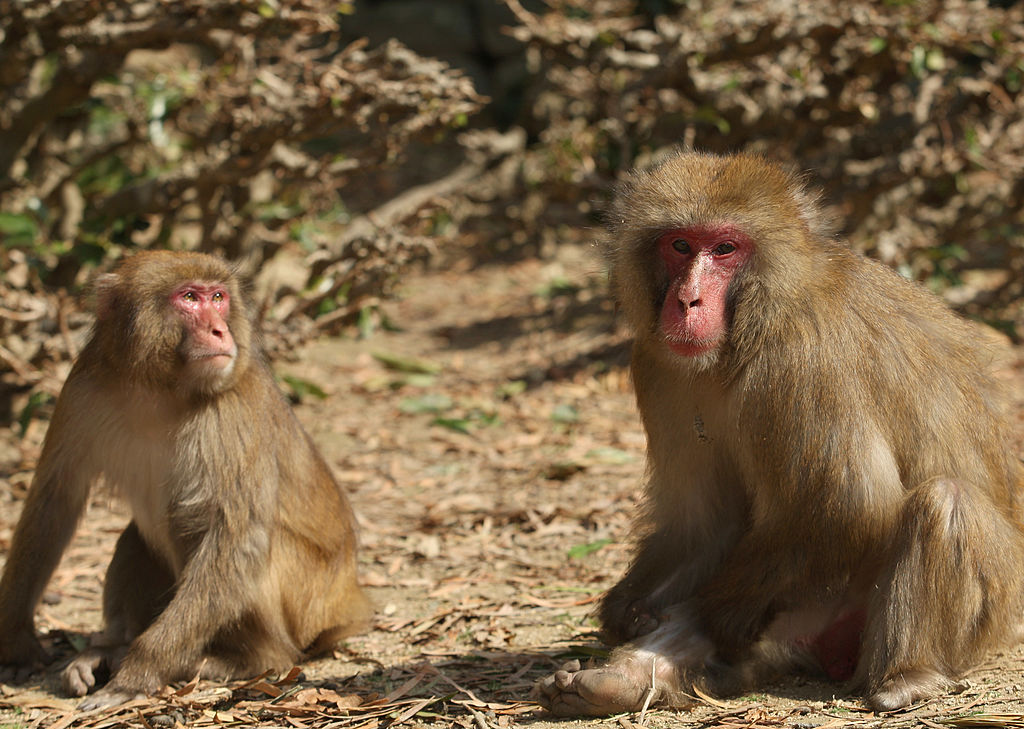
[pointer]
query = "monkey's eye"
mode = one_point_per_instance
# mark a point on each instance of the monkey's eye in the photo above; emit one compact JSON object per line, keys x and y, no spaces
{"x":190,"y":296}
{"x":218,"y":296}
{"x":681,"y":246}
{"x":724,"y":249}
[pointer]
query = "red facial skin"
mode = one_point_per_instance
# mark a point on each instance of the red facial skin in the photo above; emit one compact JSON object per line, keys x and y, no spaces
{"x":205,"y":308}
{"x":701,"y":262}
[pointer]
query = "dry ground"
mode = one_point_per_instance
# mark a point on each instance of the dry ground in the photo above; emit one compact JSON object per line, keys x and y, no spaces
{"x":493,"y":453}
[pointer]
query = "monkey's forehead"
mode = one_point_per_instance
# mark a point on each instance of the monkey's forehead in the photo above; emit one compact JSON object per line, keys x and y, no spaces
{"x":693,"y":189}
{"x":165,"y":270}
{"x":691,"y":179}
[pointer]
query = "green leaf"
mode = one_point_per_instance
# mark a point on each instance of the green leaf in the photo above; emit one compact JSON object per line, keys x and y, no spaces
{"x":325,"y":306}
{"x":488,"y":418}
{"x":565,"y":414}
{"x":459,"y":425}
{"x":582,"y":550}
{"x":91,"y":253}
{"x":367,"y":322}
{"x":77,"y":641}
{"x":418,"y":379}
{"x":431,"y":402}
{"x":35,"y":401}
{"x":559,"y":285}
{"x":511,"y":388}
{"x":17,"y":229}
{"x":917,"y":60}
{"x":406,"y":364}
{"x":609,"y":455}
{"x":300,"y":388}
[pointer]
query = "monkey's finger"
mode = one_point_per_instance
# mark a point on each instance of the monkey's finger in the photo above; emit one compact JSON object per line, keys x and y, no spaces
{"x":76,"y":682}
{"x":78,"y":678}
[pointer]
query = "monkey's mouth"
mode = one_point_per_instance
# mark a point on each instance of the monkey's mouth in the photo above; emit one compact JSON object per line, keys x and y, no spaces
{"x":690,"y":347}
{"x":211,"y":355}
{"x":213,"y":360}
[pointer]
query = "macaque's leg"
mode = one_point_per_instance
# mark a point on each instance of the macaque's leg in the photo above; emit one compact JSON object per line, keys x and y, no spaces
{"x":137,"y":587}
{"x":636,"y":605}
{"x":953,"y":591}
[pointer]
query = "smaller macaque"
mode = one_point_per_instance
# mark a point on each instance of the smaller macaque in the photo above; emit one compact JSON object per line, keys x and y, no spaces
{"x":831,"y":484}
{"x":241,"y":552}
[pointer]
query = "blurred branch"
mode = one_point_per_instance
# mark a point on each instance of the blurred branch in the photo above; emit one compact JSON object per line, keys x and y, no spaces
{"x":201,"y":109}
{"x":910,"y":112}
{"x":371,"y":251}
{"x":199,"y":124}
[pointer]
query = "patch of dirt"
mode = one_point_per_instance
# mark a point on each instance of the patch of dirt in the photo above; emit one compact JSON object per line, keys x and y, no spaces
{"x":493,"y":453}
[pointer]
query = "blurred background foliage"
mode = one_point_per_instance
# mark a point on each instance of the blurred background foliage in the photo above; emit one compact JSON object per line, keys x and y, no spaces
{"x":330,"y":145}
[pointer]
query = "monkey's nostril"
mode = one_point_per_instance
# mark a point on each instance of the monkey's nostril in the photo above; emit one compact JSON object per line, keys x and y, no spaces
{"x":695,"y":303}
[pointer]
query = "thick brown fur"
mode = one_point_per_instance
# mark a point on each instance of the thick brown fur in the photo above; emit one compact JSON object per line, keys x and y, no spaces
{"x":841,"y":458}
{"x":241,"y":553}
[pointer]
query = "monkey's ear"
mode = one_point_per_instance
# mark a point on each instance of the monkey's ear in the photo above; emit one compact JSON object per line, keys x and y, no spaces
{"x":105,"y":289}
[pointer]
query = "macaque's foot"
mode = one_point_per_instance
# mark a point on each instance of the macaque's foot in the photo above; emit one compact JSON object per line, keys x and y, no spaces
{"x":571,"y":691}
{"x":109,"y":696}
{"x":907,"y":688}
{"x":21,"y":653}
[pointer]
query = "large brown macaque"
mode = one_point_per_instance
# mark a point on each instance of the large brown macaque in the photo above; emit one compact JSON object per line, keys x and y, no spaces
{"x":831,"y":483}
{"x":241,"y":552}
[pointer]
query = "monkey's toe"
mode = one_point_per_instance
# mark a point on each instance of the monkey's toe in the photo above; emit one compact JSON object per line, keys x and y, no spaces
{"x":18,"y":674}
{"x":107,"y":697}
{"x":589,"y":692}
{"x":907,"y":688}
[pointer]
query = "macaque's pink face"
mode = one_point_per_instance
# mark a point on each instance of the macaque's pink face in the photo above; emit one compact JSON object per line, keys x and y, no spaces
{"x":208,"y":349}
{"x":700,"y":262}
